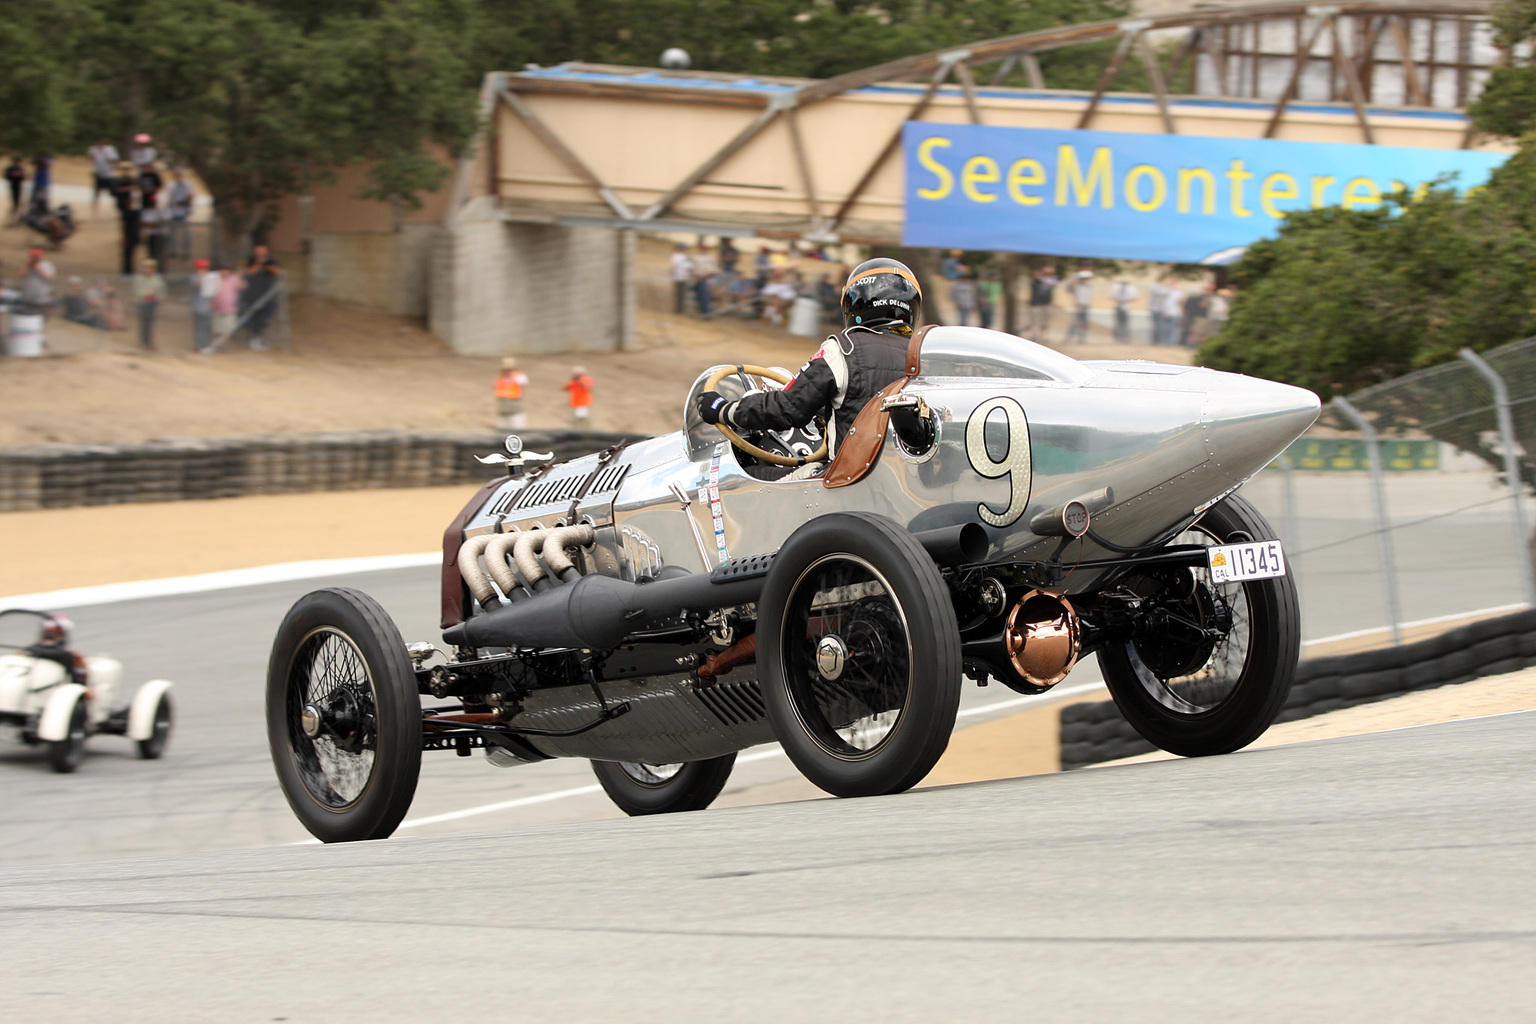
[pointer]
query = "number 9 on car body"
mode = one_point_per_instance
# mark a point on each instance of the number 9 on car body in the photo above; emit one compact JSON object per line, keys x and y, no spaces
{"x":1014,"y":463}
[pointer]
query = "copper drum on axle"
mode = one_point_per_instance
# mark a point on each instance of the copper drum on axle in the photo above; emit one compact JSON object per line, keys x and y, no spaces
{"x":1043,"y":637}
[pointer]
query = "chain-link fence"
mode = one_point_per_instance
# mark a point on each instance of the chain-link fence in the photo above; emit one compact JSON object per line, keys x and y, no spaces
{"x":109,"y":303}
{"x":1397,"y":507}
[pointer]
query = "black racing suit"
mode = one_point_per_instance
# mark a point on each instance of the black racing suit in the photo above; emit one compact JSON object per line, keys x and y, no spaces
{"x":850,"y":369}
{"x":66,"y":658}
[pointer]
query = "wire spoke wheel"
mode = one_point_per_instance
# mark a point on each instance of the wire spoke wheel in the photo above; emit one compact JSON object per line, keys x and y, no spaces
{"x":650,"y":774}
{"x":850,"y":673}
{"x":343,"y":716}
{"x":331,"y":696}
{"x":1184,"y":672}
{"x":1217,"y":676}
{"x":861,"y":655}
{"x":639,"y":788}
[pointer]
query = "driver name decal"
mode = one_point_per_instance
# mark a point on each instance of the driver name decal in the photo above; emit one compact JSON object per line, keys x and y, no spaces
{"x":1014,"y":463}
{"x":716,"y":512}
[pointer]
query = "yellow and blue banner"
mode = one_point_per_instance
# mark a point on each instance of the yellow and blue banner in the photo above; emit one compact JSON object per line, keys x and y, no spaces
{"x":1117,"y":195}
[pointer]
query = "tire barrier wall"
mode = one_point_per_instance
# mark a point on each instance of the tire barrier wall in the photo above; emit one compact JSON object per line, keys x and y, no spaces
{"x":65,"y":475}
{"x":1095,"y":732}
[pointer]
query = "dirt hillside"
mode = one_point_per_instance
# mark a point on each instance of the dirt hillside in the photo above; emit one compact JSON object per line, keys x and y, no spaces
{"x":351,"y":369}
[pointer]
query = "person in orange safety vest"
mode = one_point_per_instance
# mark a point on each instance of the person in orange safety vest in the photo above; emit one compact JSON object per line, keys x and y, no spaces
{"x":509,"y":396}
{"x":580,"y":387}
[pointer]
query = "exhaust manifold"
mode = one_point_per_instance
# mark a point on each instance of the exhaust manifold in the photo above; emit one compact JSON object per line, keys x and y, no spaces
{"x":524,"y":574}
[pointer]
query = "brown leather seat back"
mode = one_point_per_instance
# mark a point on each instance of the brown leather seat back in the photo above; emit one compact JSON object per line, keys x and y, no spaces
{"x":861,"y":449}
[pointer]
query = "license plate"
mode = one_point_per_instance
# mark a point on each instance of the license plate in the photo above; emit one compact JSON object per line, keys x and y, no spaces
{"x":1260,"y":560}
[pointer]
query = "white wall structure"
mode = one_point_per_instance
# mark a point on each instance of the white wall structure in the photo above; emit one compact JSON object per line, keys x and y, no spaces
{"x":501,"y":286}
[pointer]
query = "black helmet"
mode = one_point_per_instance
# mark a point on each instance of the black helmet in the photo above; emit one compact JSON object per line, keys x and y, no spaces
{"x":882,"y":293}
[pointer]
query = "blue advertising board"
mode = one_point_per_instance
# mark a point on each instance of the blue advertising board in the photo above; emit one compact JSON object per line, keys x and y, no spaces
{"x":1117,"y":195}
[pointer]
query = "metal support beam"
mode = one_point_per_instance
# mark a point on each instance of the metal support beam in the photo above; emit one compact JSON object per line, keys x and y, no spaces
{"x":780,"y":103}
{"x":1303,"y":56}
{"x":1005,"y":69}
{"x":563,"y":152}
{"x":1352,"y":81}
{"x":1127,"y":40}
{"x":1509,"y":442}
{"x":1383,"y":522}
{"x":1186,"y":49}
{"x":1410,"y":67}
{"x":1159,"y":88}
{"x":804,"y":164}
{"x":968,"y":86}
{"x":885,"y":151}
{"x":1032,"y":72}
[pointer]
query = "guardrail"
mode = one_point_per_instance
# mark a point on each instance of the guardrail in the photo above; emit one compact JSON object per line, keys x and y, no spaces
{"x":1094,"y":732}
{"x":65,"y":475}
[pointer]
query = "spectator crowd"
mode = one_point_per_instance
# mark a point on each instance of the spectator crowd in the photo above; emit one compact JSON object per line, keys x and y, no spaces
{"x":710,"y":282}
{"x":154,"y":201}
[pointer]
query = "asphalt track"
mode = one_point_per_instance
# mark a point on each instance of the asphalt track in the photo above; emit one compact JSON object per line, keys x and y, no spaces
{"x":1382,"y":877}
{"x":215,"y":787}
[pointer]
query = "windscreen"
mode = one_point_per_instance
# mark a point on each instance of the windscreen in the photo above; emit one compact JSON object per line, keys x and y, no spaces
{"x":977,"y":352}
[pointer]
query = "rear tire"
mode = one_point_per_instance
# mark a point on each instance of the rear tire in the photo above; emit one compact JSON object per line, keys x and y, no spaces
{"x":861,"y":655}
{"x":66,"y":754}
{"x":343,"y":716}
{"x":1225,"y":701}
{"x":663,"y":789}
{"x":152,"y":748}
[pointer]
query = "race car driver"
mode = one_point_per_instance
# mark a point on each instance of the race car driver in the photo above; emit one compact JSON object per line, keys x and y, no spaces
{"x":881,"y":305}
{"x":53,"y":645}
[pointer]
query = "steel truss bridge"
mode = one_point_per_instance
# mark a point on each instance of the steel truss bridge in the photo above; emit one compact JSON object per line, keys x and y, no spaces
{"x":642,"y":148}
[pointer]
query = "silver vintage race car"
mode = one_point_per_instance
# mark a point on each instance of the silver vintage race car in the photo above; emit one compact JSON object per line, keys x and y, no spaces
{"x":657,"y":607}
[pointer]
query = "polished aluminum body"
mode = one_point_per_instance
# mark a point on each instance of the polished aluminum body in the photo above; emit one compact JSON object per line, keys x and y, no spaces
{"x":1023,"y":433}
{"x":1022,"y":430}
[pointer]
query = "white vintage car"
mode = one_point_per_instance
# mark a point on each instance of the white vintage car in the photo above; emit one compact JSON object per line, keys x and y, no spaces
{"x":997,"y":514}
{"x":53,"y":697}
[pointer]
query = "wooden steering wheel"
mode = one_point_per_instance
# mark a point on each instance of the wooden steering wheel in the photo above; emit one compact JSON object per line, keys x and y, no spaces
{"x":736,"y":439}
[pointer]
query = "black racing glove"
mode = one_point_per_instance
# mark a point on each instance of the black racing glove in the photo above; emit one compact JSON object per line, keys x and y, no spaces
{"x":712,"y":406}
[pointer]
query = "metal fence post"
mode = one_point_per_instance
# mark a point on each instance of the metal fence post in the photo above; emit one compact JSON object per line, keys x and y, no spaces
{"x":1511,"y":467}
{"x":1289,"y":525}
{"x":1383,"y":526}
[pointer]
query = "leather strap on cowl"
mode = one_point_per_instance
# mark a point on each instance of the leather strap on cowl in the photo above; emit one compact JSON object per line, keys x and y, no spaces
{"x":860,"y":450}
{"x":915,"y":350}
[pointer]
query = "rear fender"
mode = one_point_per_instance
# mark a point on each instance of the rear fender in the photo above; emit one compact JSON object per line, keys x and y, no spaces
{"x":53,"y":723}
{"x":141,"y":716}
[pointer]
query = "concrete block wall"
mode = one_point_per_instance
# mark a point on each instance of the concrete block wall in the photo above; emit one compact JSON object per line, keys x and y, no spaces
{"x":65,"y":475}
{"x":388,"y":272}
{"x":501,"y":287}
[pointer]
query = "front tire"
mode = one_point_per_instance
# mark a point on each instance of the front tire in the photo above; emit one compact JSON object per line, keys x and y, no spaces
{"x":343,"y":716}
{"x":66,"y":755}
{"x":1222,"y":697}
{"x":663,"y":789}
{"x":861,"y":655}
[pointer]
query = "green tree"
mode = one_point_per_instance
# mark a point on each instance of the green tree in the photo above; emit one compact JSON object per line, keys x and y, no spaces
{"x":1342,"y":299}
{"x":262,"y":97}
{"x":803,"y":38}
{"x":1507,"y":104}
{"x":39,"y":89}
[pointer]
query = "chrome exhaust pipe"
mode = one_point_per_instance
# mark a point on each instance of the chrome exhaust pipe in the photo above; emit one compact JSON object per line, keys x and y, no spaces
{"x":954,"y":545}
